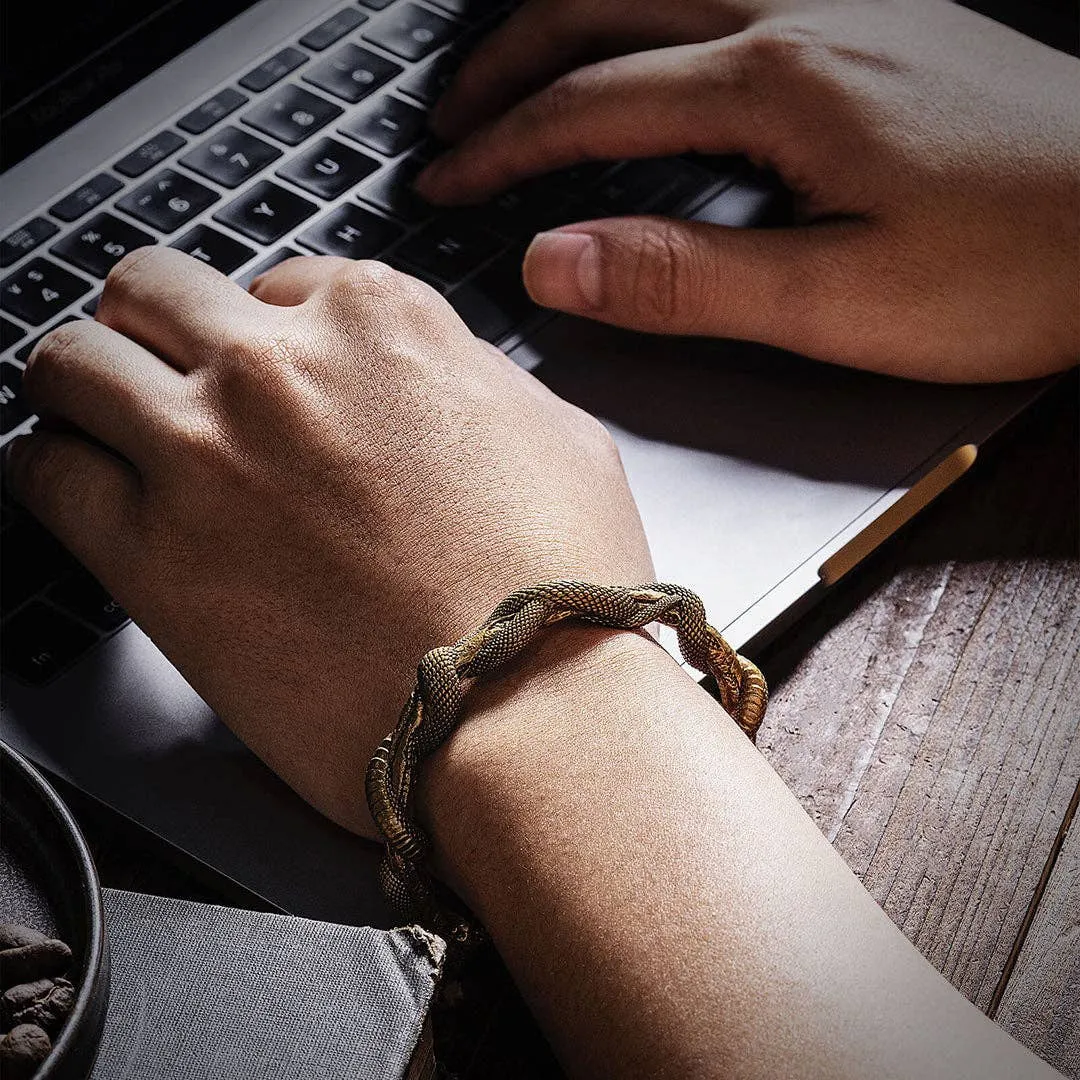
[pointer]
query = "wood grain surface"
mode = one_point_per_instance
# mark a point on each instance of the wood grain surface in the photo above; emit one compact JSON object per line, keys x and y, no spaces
{"x":927,"y":714}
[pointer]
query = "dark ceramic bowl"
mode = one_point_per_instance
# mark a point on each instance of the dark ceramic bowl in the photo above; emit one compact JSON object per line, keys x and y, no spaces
{"x":48,"y":882}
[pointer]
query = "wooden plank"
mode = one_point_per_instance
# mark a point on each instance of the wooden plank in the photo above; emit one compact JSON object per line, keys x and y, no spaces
{"x":1041,"y":1003}
{"x":927,"y":714}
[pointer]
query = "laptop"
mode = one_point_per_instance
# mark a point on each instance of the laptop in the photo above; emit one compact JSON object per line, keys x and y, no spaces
{"x":244,"y":133}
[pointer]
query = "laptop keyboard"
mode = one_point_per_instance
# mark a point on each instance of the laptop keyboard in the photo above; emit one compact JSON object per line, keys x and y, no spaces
{"x":311,"y":149}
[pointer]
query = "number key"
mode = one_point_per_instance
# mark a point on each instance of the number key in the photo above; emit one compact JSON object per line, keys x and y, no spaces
{"x":291,"y":114}
{"x":39,"y":290}
{"x":352,"y":73}
{"x":230,"y":157}
{"x":168,"y":201}
{"x":101,"y":243}
{"x":411,"y":31}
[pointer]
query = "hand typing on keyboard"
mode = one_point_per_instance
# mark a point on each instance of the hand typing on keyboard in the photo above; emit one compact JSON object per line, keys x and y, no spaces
{"x":297,"y":493}
{"x":934,"y":157}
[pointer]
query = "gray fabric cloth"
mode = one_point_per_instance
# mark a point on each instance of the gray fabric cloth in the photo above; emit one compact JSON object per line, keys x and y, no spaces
{"x":200,"y":991}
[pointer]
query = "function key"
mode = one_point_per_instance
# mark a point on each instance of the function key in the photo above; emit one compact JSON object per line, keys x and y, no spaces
{"x":411,"y":31}
{"x":39,"y":290}
{"x":230,"y":157}
{"x":291,"y":114}
{"x":9,"y":334}
{"x":212,"y":110}
{"x":149,"y":154}
{"x":352,"y":73}
{"x":328,"y":169}
{"x":350,"y":232}
{"x":12,"y":410}
{"x":270,"y":71}
{"x":265,"y":212}
{"x":168,"y":201}
{"x":101,"y":243}
{"x":24,"y":351}
{"x":27,"y":237}
{"x":40,"y":641}
{"x":83,"y":199}
{"x":279,"y":256}
{"x":389,"y":126}
{"x":337,"y":26}
{"x":214,"y":248}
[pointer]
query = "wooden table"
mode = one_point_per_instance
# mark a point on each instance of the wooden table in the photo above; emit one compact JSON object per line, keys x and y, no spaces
{"x":927,"y":716}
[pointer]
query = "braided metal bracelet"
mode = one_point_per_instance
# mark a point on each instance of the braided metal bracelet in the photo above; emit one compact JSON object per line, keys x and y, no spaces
{"x":435,"y":707}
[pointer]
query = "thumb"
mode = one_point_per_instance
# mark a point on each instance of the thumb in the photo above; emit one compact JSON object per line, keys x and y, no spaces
{"x":661,"y":275}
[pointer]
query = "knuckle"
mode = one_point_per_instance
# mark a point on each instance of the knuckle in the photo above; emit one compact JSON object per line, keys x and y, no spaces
{"x":118,"y":282}
{"x":779,"y":48}
{"x":665,"y":276}
{"x":37,"y":467}
{"x":361,"y":282}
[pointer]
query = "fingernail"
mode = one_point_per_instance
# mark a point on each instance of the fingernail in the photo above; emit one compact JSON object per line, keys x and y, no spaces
{"x":563,"y":271}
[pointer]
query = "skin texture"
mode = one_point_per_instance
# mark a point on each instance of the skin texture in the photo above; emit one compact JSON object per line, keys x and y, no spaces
{"x":296,"y":493}
{"x":934,"y":156}
{"x":302,"y":491}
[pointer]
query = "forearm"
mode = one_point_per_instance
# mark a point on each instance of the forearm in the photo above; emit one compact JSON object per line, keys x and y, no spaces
{"x":663,"y":901}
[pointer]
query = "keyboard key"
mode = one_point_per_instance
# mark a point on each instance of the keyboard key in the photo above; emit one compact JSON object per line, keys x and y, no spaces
{"x":168,"y":201}
{"x":91,"y":305}
{"x":449,"y":249}
{"x":376,"y":5}
{"x":652,"y":183}
{"x":270,"y":71}
{"x":40,"y":641}
{"x":411,"y":31}
{"x":328,"y":169}
{"x":352,"y":73}
{"x":352,"y":232}
{"x":522,"y":212}
{"x":213,"y":248}
{"x":428,"y":83}
{"x":150,"y":153}
{"x":392,"y":192}
{"x":427,"y":279}
{"x":33,"y":560}
{"x":389,"y":125}
{"x":16,"y":244}
{"x":291,"y":114}
{"x":101,"y":243}
{"x":22,"y":354}
{"x":495,"y":301}
{"x":82,"y":595}
{"x":279,"y":256}
{"x":83,"y":199}
{"x":39,"y":290}
{"x":12,"y":410}
{"x":230,"y":156}
{"x":9,"y":334}
{"x":206,"y":115}
{"x":334,"y":28}
{"x":266,"y":212}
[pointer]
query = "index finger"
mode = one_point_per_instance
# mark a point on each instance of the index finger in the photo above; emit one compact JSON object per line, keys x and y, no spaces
{"x":644,"y":105}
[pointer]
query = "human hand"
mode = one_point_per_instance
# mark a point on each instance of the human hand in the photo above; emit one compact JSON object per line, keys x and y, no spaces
{"x":297,"y":493}
{"x":934,"y":156}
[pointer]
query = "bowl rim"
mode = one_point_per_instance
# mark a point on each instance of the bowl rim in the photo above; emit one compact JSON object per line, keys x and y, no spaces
{"x":93,"y":970}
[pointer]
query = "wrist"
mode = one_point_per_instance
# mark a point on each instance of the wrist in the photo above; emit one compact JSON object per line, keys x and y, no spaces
{"x":573,"y":693}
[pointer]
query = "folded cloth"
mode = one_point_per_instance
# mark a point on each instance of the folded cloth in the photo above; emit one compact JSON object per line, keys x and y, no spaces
{"x":201,"y":991}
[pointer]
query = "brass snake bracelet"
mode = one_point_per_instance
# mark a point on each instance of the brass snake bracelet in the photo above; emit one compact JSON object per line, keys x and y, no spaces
{"x":434,"y":709}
